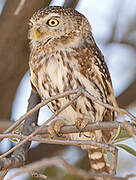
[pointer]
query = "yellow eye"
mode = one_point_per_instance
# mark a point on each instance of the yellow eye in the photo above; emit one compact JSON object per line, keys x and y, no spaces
{"x":52,"y":22}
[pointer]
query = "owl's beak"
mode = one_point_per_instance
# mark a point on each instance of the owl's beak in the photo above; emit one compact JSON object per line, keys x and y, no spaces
{"x":37,"y":33}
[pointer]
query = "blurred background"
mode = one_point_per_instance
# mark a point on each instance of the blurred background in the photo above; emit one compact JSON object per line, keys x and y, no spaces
{"x":114,"y":28}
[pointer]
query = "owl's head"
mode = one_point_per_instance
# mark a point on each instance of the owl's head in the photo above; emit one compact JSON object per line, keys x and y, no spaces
{"x":58,"y":24}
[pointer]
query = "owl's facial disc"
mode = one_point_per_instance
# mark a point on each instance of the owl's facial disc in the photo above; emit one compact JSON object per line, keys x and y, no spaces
{"x":57,"y":24}
{"x":46,"y":26}
{"x":51,"y":22}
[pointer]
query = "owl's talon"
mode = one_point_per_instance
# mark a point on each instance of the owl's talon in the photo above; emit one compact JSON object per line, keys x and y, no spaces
{"x":54,"y":128}
{"x":51,"y":135}
{"x":81,"y":123}
{"x":59,"y":134}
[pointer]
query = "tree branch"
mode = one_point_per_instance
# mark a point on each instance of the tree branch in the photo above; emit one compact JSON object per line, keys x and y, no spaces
{"x":73,"y":129}
{"x":57,"y":140}
{"x":47,"y":162}
{"x":90,"y":127}
{"x":3,"y":174}
{"x":19,"y":156}
{"x":45,"y":102}
{"x":45,"y":123}
{"x":79,"y":92}
{"x":67,"y":129}
{"x":38,"y":106}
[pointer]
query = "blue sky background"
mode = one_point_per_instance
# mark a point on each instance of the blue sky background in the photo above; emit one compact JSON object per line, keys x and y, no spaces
{"x":120,"y":59}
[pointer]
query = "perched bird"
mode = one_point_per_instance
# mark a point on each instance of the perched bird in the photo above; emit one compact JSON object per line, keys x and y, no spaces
{"x":64,"y":56}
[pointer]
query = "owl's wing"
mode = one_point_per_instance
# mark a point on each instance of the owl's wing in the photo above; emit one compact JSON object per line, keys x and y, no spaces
{"x":102,"y":73}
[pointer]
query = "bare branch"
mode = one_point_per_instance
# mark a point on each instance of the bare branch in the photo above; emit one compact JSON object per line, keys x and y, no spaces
{"x":73,"y":129}
{"x":47,"y":162}
{"x":37,"y":138}
{"x":38,"y":106}
{"x":92,"y":126}
{"x":19,"y":156}
{"x":3,"y":174}
{"x":79,"y":92}
{"x":45,"y":102}
{"x":45,"y":123}
{"x":67,"y":129}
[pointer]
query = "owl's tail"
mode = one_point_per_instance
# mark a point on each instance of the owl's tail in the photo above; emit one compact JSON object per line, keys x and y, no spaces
{"x":99,"y":162}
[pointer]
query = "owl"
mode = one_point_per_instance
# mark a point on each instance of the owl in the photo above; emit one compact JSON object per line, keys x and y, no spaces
{"x":64,"y":56}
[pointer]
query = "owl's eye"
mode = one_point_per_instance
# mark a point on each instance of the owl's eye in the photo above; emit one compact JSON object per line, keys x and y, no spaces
{"x":52,"y":22}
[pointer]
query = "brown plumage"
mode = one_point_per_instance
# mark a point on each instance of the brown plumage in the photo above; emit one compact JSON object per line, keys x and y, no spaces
{"x":65,"y":56}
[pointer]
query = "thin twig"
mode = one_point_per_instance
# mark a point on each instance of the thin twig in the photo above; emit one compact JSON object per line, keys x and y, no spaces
{"x":38,"y":106}
{"x":73,"y":129}
{"x":78,"y":92}
{"x":18,"y":158}
{"x":45,"y":102}
{"x":3,"y":174}
{"x":37,"y":138}
{"x":90,"y":127}
{"x":117,"y":109}
{"x":67,"y":129}
{"x":45,"y":123}
{"x":47,"y":162}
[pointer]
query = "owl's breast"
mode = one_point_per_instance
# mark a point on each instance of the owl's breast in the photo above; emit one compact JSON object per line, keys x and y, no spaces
{"x":60,"y":75}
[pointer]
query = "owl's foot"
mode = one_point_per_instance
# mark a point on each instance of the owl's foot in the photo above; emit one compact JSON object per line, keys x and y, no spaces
{"x":81,"y":123}
{"x":55,"y":126}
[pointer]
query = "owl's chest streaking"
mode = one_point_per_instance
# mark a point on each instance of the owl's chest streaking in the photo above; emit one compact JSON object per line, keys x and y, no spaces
{"x":64,"y":70}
